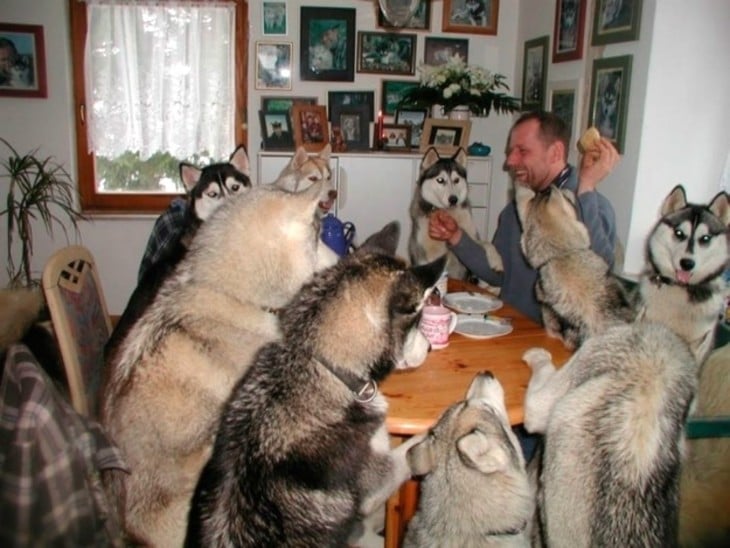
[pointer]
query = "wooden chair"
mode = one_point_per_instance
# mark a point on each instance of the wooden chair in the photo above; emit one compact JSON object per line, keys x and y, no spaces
{"x":80,"y":320}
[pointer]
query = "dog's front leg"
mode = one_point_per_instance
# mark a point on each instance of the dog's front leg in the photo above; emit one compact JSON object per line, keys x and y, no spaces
{"x":544,"y":389}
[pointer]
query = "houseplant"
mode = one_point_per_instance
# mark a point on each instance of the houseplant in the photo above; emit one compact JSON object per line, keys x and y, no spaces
{"x":457,"y":84}
{"x":40,"y":189}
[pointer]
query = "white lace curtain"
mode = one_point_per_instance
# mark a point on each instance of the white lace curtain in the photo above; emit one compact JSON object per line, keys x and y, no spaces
{"x":160,"y":77}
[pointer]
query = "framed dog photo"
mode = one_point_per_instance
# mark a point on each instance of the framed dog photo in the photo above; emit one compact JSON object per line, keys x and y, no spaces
{"x":564,"y":100}
{"x":310,"y":126}
{"x":421,"y":19}
{"x":283,"y":103}
{"x":23,"y":66}
{"x":273,"y":65}
{"x":414,"y":119}
{"x":351,"y":98}
{"x":276,"y":130}
{"x":354,"y":124}
{"x":534,"y":73}
{"x":392,"y":93}
{"x":274,"y":18}
{"x":471,"y":16}
{"x":446,"y":136}
{"x":386,"y":53}
{"x":616,"y":21}
{"x":396,"y":137}
{"x":438,"y":51}
{"x":609,"y":99}
{"x":570,"y":16}
{"x":327,"y":46}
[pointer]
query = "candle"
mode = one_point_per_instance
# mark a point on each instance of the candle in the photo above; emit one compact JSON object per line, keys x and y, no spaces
{"x":380,"y":129}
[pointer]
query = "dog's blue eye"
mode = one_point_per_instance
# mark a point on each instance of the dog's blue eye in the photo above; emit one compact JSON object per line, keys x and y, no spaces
{"x":679,"y":234}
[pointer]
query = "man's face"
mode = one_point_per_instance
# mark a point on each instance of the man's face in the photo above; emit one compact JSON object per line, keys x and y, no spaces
{"x":529,"y":159}
{"x":7,"y":60}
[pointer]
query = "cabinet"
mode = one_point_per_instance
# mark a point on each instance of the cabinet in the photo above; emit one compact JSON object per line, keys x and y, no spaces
{"x":376,"y":188}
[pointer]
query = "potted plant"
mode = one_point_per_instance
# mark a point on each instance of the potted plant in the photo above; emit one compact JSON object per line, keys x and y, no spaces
{"x":40,"y":188}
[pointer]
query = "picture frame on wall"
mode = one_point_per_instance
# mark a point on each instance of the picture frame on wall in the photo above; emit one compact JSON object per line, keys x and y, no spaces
{"x":354,"y":124}
{"x":310,"y":126}
{"x":25,"y":72}
{"x":570,"y":18}
{"x":274,"y":21}
{"x":386,"y":53}
{"x":392,"y":93}
{"x":327,"y":44}
{"x":471,"y":16}
{"x":445,"y":135}
{"x":396,"y":137}
{"x":421,"y":19}
{"x":414,"y":118}
{"x":348,"y":98}
{"x":615,"y":21}
{"x":276,"y":130}
{"x":609,"y":99}
{"x":273,"y":65}
{"x":534,"y":73}
{"x":283,"y":103}
{"x":437,"y":51}
{"x":564,"y":100}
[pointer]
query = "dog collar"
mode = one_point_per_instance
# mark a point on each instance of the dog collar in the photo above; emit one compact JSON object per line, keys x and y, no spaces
{"x":365,"y":391}
{"x":659,"y":280}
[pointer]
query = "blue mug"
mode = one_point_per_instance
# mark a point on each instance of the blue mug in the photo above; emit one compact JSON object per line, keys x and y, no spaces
{"x":337,"y":235}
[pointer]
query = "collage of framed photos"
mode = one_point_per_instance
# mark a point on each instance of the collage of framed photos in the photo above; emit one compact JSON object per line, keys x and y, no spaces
{"x":332,"y":50}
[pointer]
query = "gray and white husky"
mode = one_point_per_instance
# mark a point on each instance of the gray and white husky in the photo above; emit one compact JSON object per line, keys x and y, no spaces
{"x":442,"y":184}
{"x":476,"y":492}
{"x":166,"y":386}
{"x":302,"y":452}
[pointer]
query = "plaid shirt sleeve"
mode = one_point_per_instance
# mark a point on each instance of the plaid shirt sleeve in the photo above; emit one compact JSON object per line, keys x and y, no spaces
{"x":51,"y":461}
{"x":165,"y":234}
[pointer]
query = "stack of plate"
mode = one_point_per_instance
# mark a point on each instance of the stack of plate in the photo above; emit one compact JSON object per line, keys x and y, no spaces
{"x":472,"y":318}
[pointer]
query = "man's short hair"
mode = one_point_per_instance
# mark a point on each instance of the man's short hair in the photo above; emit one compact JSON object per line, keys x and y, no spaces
{"x":552,"y":127}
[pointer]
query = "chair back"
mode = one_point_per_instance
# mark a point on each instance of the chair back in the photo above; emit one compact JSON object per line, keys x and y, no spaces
{"x":80,"y":320}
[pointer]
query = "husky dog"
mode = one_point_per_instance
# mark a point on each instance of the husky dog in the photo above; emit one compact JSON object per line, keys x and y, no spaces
{"x":476,"y":493}
{"x":165,"y":387}
{"x":302,"y":452}
{"x":609,"y":94}
{"x":442,"y":184}
{"x":304,"y":170}
{"x":578,"y":294}
{"x":473,"y":11}
{"x":686,"y":256}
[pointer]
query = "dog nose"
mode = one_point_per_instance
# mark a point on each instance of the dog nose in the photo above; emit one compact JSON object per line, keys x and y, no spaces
{"x":453,"y":199}
{"x":687,"y":264}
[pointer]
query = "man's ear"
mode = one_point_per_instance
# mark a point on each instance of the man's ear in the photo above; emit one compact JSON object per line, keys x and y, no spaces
{"x":557,"y":153}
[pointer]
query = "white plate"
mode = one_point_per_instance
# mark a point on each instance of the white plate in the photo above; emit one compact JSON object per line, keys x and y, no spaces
{"x":477,"y":327}
{"x":467,"y":302}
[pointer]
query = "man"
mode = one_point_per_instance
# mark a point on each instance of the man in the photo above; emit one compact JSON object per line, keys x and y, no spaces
{"x":537,"y":154}
{"x":8,"y":58}
{"x":279,"y":138}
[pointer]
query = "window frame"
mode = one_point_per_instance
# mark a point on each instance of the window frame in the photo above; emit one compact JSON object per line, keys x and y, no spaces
{"x":129,"y":202}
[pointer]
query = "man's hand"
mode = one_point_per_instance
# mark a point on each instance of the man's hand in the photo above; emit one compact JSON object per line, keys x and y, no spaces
{"x":596,"y":165}
{"x":443,"y":227}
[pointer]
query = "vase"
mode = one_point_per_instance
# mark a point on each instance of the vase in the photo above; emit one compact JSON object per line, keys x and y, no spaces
{"x":460,"y":112}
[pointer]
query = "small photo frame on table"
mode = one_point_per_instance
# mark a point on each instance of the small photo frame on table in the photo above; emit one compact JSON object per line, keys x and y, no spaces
{"x":24,"y":71}
{"x":351,"y":98}
{"x":354,"y":124}
{"x":534,"y":73}
{"x":283,"y":103}
{"x":609,"y":99}
{"x":413,"y":118}
{"x":386,"y":53}
{"x":274,"y":18}
{"x":445,"y":135}
{"x":397,"y":137}
{"x":327,"y":44}
{"x":392,"y":93}
{"x":570,"y":16}
{"x":617,"y":21}
{"x":310,"y":126}
{"x":273,"y":65}
{"x":471,"y":16}
{"x":421,"y":19}
{"x":437,"y":51}
{"x":276,"y":130}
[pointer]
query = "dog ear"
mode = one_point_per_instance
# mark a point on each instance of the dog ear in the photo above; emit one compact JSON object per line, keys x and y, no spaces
{"x":720,"y":207}
{"x":385,"y":241}
{"x":429,"y":159}
{"x":477,"y":452}
{"x":299,"y":158}
{"x":428,"y":274}
{"x":676,"y":200}
{"x":420,"y":458}
{"x":460,"y":157}
{"x":190,"y":175}
{"x":239,"y":160}
{"x":325,"y":152}
{"x":523,"y":195}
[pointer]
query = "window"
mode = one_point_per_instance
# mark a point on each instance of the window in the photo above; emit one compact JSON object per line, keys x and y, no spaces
{"x":154,"y":83}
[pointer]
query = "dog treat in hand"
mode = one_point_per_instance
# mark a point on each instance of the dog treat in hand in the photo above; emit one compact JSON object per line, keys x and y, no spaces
{"x":589,"y":140}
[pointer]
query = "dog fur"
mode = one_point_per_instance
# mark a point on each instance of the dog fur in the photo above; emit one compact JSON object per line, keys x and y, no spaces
{"x":304,"y":170}
{"x":302,"y":451}
{"x":442,"y":184}
{"x":476,"y":492}
{"x":165,"y":388}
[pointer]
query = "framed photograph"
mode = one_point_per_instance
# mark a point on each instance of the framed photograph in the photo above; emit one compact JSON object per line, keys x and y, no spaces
{"x":274,"y":18}
{"x":616,"y":21}
{"x":471,"y":16}
{"x":392,"y":92}
{"x":23,"y":55}
{"x":310,"y":126}
{"x":564,"y":100}
{"x":337,"y":99}
{"x":327,"y":47}
{"x":438,"y":51}
{"x":570,"y":16}
{"x":282,"y":103}
{"x":414,"y":119}
{"x":421,"y":19}
{"x":534,"y":73}
{"x":446,"y":136}
{"x":354,"y":124}
{"x":273,"y":65}
{"x":386,"y":53}
{"x":396,"y":137}
{"x":276,"y":130}
{"x":610,"y":83}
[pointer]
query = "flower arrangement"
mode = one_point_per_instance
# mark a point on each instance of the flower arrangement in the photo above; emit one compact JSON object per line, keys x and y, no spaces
{"x":455,"y":83}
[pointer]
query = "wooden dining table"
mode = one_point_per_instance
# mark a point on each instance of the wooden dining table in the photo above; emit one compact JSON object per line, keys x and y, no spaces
{"x":417,"y":397}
